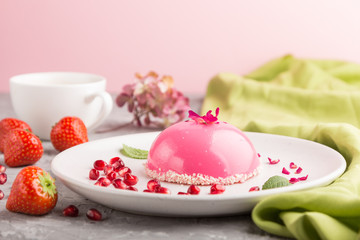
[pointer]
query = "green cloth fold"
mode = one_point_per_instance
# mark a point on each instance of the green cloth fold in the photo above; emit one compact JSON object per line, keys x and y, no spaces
{"x":318,"y":100}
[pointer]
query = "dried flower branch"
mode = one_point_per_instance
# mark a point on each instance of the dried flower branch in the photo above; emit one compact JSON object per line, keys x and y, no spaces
{"x":154,"y":101}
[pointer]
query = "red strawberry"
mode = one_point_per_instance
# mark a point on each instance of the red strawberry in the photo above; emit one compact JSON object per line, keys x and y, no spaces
{"x":33,"y":192}
{"x":22,"y":148}
{"x":8,"y":124}
{"x":68,"y":132}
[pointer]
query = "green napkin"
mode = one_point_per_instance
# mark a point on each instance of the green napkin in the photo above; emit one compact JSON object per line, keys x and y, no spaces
{"x":318,"y":100}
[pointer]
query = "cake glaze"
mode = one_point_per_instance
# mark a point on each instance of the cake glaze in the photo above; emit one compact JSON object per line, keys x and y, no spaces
{"x":202,"y":152}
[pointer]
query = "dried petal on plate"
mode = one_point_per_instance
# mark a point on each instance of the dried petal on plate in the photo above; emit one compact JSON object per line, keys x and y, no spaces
{"x":303,"y":178}
{"x":285,"y":171}
{"x":293,"y":165}
{"x":254,"y":189}
{"x":273,"y":161}
{"x":299,"y":170}
{"x":293,"y":180}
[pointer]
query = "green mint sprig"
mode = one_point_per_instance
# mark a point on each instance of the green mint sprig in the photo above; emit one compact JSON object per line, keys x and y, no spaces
{"x":134,"y":152}
{"x":275,"y":182}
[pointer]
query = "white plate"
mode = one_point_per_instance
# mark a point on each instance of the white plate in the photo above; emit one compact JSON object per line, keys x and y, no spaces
{"x":321,"y":163}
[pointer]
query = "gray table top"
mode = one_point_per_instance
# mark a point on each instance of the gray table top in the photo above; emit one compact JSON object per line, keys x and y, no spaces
{"x":116,"y":224}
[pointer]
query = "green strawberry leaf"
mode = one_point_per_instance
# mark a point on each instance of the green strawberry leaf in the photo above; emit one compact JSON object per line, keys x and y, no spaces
{"x":134,"y":152}
{"x":275,"y":182}
{"x":48,"y":184}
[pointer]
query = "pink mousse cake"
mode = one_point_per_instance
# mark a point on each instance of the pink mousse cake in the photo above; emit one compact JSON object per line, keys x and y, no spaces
{"x":202,"y":151}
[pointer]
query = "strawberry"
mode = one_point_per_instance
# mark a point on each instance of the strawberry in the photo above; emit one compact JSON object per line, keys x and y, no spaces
{"x":22,"y":148}
{"x":8,"y":124}
{"x":33,"y":192}
{"x":68,"y":132}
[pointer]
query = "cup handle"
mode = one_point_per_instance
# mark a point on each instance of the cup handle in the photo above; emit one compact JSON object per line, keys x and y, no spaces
{"x":107,"y":105}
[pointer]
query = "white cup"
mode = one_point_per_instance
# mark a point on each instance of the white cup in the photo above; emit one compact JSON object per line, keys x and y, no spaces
{"x":42,"y":99}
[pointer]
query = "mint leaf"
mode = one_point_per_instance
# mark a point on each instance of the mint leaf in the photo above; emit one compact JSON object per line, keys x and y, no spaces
{"x":275,"y":182}
{"x":134,"y":152}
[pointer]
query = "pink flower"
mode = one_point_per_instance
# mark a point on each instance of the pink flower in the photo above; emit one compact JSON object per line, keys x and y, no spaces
{"x":208,"y":118}
{"x":153,"y":100}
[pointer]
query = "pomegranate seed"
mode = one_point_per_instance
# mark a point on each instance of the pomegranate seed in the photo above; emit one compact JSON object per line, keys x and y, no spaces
{"x":118,"y":183}
{"x":254,"y":189}
{"x":94,"y":174}
{"x":114,"y":160}
{"x":3,"y":178}
{"x":99,"y":164}
{"x":93,"y":214}
{"x":111,"y":176}
{"x":299,"y":170}
{"x":183,"y":193}
{"x":100,"y":180}
{"x":156,"y":188}
{"x":147,"y":190}
{"x":71,"y":211}
{"x":104,"y":182}
{"x":152,"y":184}
{"x":293,"y":180}
{"x":217,"y":189}
{"x":259,"y":155}
{"x":193,"y":190}
{"x":131,"y":188}
{"x":2,"y":195}
{"x":292,"y":165}
{"x":130,"y":179}
{"x":162,"y":190}
{"x":118,"y":165}
{"x":123,"y":171}
{"x":108,"y":169}
{"x":2,"y":168}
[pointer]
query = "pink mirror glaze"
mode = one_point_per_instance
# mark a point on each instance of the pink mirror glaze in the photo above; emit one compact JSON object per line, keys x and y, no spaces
{"x":217,"y":152}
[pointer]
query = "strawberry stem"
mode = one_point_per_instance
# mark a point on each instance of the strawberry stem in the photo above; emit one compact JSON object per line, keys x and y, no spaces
{"x":48,"y":184}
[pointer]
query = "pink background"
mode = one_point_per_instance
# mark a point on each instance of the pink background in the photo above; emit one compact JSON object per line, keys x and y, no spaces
{"x":192,"y":40}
